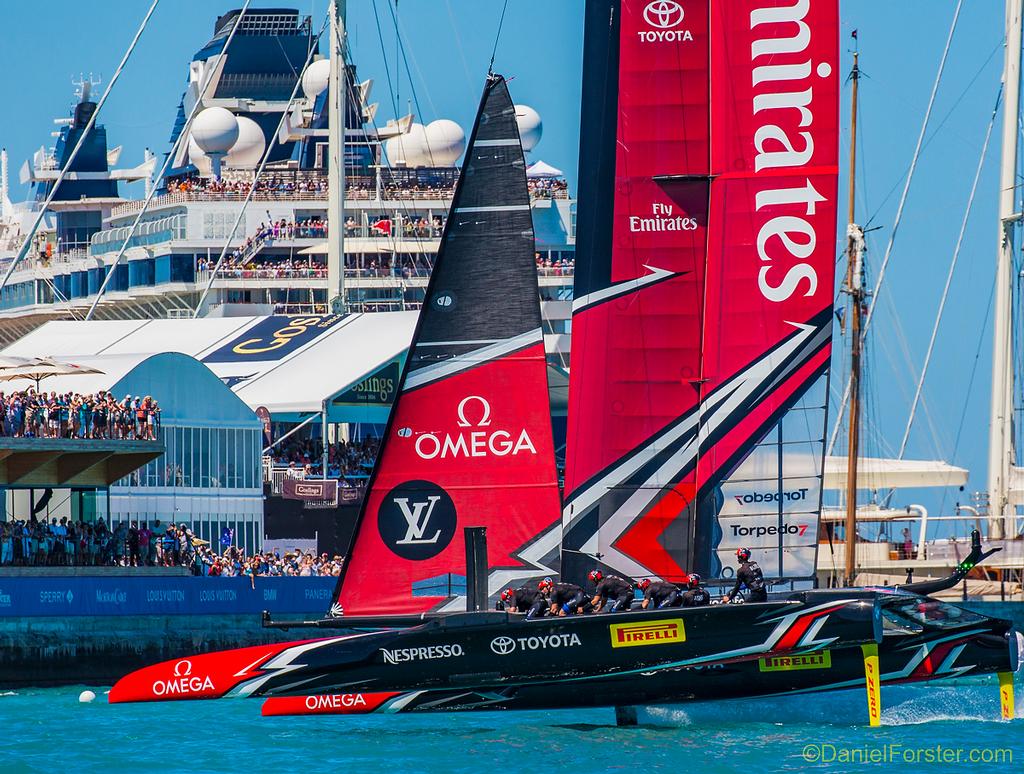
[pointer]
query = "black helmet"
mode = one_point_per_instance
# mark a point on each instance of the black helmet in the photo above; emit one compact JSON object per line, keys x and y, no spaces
{"x":743,"y":554}
{"x":693,"y":581}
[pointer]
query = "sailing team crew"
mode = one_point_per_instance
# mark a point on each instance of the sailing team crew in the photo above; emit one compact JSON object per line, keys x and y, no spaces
{"x":525,"y":600}
{"x":615,"y":594}
{"x":614,"y":588}
{"x":748,"y":574}
{"x":564,"y":598}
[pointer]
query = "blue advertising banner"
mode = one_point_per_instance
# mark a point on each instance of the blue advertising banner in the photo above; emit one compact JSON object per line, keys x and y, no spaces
{"x":126,"y":595}
{"x":273,"y":338}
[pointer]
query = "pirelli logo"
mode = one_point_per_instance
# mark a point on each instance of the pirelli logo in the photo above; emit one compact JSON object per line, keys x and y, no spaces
{"x":821,"y":660}
{"x":628,"y":635}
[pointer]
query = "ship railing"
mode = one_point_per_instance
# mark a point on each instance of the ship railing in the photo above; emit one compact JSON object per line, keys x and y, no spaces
{"x":549,"y":194}
{"x":556,"y":271}
{"x":284,"y":195}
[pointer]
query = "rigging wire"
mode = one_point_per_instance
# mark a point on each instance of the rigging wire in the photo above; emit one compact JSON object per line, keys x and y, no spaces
{"x":938,"y":129}
{"x":400,"y":44}
{"x":970,"y":384}
{"x":949,"y":277}
{"x":259,"y":171}
{"x":460,"y":48}
{"x":899,"y":212}
{"x":384,"y":53}
{"x":182,"y":138}
{"x":497,"y":37}
{"x":78,"y":146}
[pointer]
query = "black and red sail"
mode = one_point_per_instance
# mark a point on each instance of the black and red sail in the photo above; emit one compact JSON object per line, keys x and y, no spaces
{"x":703,"y":296}
{"x":469,"y":438}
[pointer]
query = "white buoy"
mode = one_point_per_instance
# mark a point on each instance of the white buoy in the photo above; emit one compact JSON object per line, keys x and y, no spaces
{"x":86,"y":696}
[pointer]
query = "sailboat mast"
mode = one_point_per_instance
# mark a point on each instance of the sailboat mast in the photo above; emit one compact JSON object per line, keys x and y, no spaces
{"x":1001,"y":454}
{"x":336,"y":96}
{"x":855,"y":289}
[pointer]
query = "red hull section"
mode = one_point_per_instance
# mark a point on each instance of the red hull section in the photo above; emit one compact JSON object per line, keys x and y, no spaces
{"x":206,"y":676}
{"x":328,"y":704}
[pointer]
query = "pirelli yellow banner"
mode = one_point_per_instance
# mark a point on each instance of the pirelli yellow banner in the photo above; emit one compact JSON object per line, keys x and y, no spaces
{"x":822,"y":660}
{"x":662,"y":632}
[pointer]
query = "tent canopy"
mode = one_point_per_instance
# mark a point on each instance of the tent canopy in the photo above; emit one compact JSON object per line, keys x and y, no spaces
{"x":289,"y":364}
{"x":540,"y":169}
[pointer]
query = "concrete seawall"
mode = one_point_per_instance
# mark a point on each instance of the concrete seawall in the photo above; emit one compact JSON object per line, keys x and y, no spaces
{"x":97,"y":650}
{"x":95,"y":626}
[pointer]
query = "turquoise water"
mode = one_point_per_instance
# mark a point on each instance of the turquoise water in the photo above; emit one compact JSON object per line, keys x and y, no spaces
{"x":50,"y":731}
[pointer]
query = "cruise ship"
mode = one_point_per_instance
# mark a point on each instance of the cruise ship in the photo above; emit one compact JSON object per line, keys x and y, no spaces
{"x":399,"y":179}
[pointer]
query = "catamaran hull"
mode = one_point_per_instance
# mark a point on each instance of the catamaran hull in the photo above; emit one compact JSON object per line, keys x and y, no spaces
{"x":475,"y":651}
{"x":904,"y":659}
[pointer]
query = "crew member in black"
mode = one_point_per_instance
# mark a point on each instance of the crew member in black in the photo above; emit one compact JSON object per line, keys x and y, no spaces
{"x":748,"y":574}
{"x":659,"y":594}
{"x":525,"y":600}
{"x":564,"y":598}
{"x":695,"y":596}
{"x":613,"y":588}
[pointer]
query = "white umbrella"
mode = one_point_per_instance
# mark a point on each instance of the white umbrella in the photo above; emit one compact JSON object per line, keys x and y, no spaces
{"x":13,"y":361}
{"x":42,"y":367}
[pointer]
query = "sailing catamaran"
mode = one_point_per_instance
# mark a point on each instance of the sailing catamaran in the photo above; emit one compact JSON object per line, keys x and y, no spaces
{"x":702,"y":332}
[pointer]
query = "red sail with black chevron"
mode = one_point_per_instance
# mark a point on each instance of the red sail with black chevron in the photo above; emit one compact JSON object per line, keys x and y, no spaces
{"x":469,"y":439}
{"x":703,"y":297}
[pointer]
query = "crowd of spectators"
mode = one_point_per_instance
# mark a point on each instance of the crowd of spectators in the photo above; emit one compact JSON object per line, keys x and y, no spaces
{"x":348,"y":461}
{"x":560,"y":267}
{"x":272,"y":184}
{"x":31,"y":414}
{"x":391,"y":186}
{"x":548,"y":188}
{"x":67,"y":543}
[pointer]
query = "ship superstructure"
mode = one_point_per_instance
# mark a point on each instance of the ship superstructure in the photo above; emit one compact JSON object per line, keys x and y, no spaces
{"x":399,"y":179}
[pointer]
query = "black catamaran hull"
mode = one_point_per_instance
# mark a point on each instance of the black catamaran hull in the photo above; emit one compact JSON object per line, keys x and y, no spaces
{"x":978,"y":647}
{"x":476,"y":651}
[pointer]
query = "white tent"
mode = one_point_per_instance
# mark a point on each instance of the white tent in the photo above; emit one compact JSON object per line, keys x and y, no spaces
{"x":289,"y":365}
{"x":540,"y":170}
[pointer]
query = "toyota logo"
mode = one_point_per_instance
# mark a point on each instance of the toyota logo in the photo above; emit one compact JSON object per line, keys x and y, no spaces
{"x":503,"y":645}
{"x":663,"y":14}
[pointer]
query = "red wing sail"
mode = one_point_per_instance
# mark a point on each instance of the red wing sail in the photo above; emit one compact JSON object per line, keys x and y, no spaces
{"x":702,"y":320}
{"x":469,"y":438}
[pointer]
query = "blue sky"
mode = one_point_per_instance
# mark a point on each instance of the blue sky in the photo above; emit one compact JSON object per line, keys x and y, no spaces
{"x":540,"y":49}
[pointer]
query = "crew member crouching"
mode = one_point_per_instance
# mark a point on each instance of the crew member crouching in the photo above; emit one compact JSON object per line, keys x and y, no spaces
{"x":564,"y":598}
{"x":659,"y":594}
{"x":613,"y":588}
{"x":525,"y":600}
{"x":695,"y":596}
{"x":748,"y":574}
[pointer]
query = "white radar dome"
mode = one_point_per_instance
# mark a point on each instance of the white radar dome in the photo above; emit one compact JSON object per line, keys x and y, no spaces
{"x":530,"y":126}
{"x":446,"y":141}
{"x":247,"y":152}
{"x":316,"y":78}
{"x":410,"y":148}
{"x":215,"y":129}
{"x":197,"y":158}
